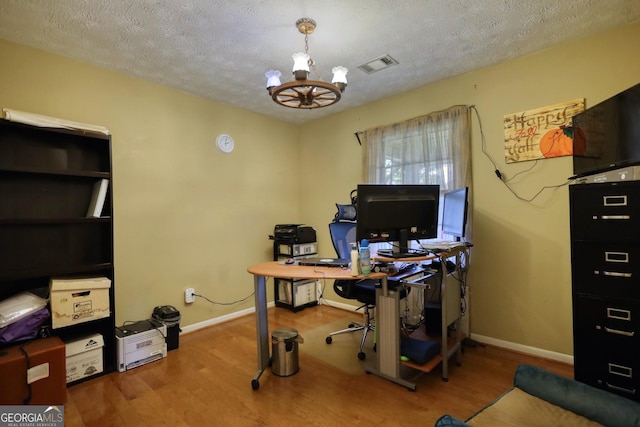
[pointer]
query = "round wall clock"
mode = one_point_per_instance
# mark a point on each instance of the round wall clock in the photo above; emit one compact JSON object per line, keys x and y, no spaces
{"x":224,"y":143}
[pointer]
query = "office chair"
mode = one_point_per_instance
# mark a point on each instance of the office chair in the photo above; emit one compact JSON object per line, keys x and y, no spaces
{"x":364,"y":291}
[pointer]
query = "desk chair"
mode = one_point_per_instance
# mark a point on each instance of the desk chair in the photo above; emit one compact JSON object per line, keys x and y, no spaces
{"x":364,"y":291}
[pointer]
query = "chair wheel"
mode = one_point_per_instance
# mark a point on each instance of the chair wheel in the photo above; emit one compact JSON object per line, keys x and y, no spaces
{"x":255,"y":384}
{"x":351,"y":325}
{"x":361,"y":355}
{"x":328,"y":340}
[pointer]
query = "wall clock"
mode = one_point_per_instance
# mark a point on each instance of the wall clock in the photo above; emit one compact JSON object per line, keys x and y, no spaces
{"x":224,"y":143}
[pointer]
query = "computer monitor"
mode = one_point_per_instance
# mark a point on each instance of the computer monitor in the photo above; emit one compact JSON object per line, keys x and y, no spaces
{"x":454,"y":212}
{"x":397,"y":214}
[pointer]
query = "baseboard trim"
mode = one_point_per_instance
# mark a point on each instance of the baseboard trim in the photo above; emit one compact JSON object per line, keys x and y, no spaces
{"x":337,"y":304}
{"x":532,"y":351}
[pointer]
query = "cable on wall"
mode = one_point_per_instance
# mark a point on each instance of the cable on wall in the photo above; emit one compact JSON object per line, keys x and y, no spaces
{"x":225,"y":303}
{"x":499,"y":174}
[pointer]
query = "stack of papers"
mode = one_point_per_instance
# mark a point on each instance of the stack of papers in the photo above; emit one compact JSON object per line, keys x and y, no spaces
{"x":441,"y":245}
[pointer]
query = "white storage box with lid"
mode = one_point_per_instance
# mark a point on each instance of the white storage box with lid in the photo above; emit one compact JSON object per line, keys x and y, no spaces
{"x":78,"y":299}
{"x":84,"y":357}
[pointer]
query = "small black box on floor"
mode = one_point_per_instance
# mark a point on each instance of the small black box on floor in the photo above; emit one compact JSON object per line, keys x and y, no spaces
{"x":433,"y":318}
{"x":173,"y":336}
{"x":170,"y":316}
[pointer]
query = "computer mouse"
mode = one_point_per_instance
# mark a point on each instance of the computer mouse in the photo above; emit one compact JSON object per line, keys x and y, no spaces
{"x":290,"y":261}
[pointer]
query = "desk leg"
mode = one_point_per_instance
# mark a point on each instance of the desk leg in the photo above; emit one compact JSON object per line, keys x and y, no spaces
{"x":262,"y":327}
{"x":388,"y":334}
{"x":450,"y":308}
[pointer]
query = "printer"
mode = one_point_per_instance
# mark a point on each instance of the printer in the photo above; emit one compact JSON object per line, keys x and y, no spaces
{"x":294,"y":233}
{"x":139,"y":343}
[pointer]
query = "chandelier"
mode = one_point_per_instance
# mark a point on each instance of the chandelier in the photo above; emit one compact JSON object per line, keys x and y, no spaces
{"x":302,"y":92}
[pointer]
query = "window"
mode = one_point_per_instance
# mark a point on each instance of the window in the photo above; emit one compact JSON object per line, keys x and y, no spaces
{"x":431,"y":149}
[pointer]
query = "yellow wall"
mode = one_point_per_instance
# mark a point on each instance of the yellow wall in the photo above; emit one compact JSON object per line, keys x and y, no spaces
{"x":520,"y":279}
{"x":185,"y":215}
{"x":188,"y":216}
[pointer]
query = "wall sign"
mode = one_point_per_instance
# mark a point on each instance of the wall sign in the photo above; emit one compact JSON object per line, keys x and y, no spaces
{"x":541,"y":133}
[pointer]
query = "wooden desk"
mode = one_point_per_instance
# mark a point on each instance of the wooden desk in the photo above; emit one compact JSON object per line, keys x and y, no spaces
{"x":275,"y":269}
{"x":387,"y":364}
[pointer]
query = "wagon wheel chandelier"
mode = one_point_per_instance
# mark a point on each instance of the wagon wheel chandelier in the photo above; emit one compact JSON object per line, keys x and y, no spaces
{"x":302,"y":92}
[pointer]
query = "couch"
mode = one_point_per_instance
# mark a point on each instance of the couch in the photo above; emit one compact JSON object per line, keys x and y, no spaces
{"x":541,"y":398}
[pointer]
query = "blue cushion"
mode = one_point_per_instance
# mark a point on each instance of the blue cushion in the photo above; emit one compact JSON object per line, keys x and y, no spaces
{"x":346,"y":213}
{"x":590,"y":402}
{"x":449,"y":421}
{"x":419,"y":351}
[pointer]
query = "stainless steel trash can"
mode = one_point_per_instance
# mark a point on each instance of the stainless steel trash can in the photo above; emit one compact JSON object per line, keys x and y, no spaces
{"x":284,"y":342}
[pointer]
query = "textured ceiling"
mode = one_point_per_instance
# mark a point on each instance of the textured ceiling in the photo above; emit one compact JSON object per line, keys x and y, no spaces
{"x":220,"y":49}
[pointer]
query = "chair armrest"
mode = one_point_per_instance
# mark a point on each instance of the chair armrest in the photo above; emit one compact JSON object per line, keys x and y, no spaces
{"x":344,"y":289}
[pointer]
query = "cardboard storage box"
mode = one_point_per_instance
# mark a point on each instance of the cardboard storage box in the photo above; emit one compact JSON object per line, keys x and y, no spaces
{"x":84,"y":357}
{"x":77,"y":300}
{"x":38,"y":379}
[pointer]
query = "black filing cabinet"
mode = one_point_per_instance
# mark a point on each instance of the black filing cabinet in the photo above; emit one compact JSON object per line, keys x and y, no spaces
{"x":605,"y":272}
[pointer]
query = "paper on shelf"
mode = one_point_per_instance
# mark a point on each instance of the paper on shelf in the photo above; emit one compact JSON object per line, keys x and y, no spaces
{"x":97,"y":198}
{"x":50,"y":122}
{"x":19,"y":306}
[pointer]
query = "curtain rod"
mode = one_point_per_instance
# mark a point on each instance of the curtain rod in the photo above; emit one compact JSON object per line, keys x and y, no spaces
{"x":413,"y":118}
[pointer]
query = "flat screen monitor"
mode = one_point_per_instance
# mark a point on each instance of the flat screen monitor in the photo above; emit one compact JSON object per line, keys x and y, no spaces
{"x":397,"y":214}
{"x":454,"y":212}
{"x":607,"y":135}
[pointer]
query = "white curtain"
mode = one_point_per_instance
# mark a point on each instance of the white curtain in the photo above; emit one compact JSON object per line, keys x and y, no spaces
{"x":431,"y":149}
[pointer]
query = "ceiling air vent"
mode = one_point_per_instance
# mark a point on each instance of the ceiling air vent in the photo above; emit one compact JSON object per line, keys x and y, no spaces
{"x":378,"y":64}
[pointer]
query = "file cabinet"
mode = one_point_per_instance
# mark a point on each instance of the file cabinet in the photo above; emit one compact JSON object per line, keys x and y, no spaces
{"x":605,"y":271}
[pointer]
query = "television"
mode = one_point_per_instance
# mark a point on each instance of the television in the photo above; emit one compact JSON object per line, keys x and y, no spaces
{"x":607,"y":135}
{"x":397,"y":214}
{"x":455,"y":204}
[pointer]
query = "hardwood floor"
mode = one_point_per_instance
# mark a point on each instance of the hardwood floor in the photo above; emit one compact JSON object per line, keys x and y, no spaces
{"x":207,"y":382}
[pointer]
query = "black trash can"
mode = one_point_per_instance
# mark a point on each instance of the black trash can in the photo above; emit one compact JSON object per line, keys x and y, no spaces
{"x":170,"y":316}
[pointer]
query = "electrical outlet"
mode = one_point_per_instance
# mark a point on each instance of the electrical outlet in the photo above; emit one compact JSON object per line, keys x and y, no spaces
{"x":189,"y":295}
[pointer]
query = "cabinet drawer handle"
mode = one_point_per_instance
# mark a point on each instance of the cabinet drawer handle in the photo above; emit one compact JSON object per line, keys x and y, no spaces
{"x":623,"y":371}
{"x":618,"y":313}
{"x":614,"y":200}
{"x":616,"y":257}
{"x":615,"y":217}
{"x":619,"y":332}
{"x":626,"y":390}
{"x":616,"y":274}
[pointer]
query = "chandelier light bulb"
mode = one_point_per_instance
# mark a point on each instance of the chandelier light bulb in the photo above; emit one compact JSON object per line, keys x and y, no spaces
{"x":340,"y":77}
{"x":273,"y":78}
{"x":300,"y":65}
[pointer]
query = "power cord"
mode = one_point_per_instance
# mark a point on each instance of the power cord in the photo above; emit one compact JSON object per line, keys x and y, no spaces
{"x":225,"y":303}
{"x":499,"y":174}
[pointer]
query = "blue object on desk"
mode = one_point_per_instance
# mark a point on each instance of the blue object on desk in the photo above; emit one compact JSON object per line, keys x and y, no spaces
{"x":419,"y":351}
